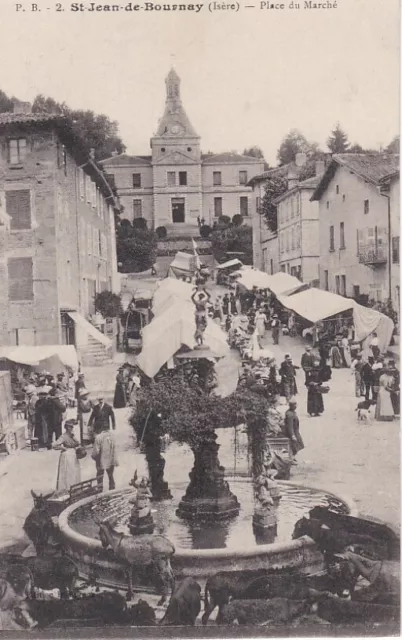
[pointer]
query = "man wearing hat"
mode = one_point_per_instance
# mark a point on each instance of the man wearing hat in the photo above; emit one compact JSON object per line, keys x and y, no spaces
{"x":287,"y":372}
{"x":84,"y":408}
{"x":102,"y":414}
{"x":32,"y":399}
{"x":275,"y":325}
{"x":79,"y":384}
{"x":307,"y":360}
{"x":357,"y":366}
{"x":42,"y":418}
{"x":395,"y":393}
{"x":291,"y":429}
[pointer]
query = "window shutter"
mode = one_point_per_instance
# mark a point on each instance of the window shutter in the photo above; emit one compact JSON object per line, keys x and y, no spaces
{"x":18,"y":207}
{"x":20,"y":279}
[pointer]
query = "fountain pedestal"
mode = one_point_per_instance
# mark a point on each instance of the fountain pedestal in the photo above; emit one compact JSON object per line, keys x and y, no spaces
{"x":208,"y":496}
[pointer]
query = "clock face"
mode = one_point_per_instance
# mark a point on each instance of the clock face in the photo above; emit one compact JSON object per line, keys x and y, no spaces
{"x":176,"y":128}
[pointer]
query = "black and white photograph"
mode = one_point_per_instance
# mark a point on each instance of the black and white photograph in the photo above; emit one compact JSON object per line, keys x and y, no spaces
{"x":200,"y":319}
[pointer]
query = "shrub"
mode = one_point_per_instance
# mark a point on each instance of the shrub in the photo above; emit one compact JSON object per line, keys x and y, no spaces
{"x":205,"y":231}
{"x":140,"y":223}
{"x":161,"y":233}
{"x":108,"y":304}
{"x":237,"y":220}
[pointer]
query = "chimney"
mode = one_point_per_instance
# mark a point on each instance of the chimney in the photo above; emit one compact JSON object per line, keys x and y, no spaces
{"x":92,"y":153}
{"x":292,"y":178}
{"x":319,"y":167}
{"x":22,"y":107}
{"x":301,"y":159}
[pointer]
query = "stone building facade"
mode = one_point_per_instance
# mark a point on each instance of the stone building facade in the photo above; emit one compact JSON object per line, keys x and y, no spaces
{"x":177,"y":184}
{"x":57,"y":235}
{"x":359,"y":235}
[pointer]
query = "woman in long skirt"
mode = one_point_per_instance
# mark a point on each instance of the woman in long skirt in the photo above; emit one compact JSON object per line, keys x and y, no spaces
{"x":315,"y":403}
{"x":69,"y":471}
{"x":384,"y":410}
{"x":260,"y":320}
{"x":119,"y":400}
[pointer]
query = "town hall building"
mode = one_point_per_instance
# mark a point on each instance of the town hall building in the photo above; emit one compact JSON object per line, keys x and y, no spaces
{"x":177,"y":184}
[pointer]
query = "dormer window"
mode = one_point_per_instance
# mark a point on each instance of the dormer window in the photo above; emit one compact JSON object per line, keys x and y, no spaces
{"x":17,"y":150}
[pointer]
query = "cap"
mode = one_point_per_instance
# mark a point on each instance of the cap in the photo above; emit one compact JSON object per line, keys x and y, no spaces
{"x":83,"y":392}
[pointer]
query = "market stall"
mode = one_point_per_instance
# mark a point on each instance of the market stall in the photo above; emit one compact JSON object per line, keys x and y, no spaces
{"x":226,"y":269}
{"x":316,"y":305}
{"x":184,"y":264}
{"x":51,"y":358}
{"x":279,"y":283}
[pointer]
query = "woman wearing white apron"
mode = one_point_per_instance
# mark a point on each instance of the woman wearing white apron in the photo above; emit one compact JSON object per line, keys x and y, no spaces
{"x":69,"y":471}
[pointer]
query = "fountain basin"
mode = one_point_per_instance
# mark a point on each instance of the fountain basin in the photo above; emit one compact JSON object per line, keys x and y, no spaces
{"x":199,"y":563}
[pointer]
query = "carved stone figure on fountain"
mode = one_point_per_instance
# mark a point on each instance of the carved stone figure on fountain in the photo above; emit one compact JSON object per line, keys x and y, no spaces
{"x":150,"y":434}
{"x":141,"y":520}
{"x":208,"y":495}
{"x":200,"y":298}
{"x":264,"y":516}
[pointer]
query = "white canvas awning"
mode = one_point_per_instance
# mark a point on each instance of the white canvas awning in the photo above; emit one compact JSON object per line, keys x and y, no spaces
{"x":230,"y":263}
{"x":86,"y":326}
{"x":171,"y":330}
{"x":170,"y":289}
{"x":315,"y":305}
{"x":46,"y":357}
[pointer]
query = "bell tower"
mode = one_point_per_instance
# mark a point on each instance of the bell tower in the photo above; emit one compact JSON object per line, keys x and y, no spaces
{"x":176,"y":161}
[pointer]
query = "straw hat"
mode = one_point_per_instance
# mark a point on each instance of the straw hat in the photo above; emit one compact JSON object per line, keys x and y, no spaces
{"x":30,"y":390}
{"x":83,"y":392}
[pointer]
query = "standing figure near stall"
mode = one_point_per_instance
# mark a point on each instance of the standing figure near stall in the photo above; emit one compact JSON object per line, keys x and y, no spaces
{"x":275,"y":327}
{"x":314,"y":381}
{"x":287,"y":372}
{"x":291,"y":429}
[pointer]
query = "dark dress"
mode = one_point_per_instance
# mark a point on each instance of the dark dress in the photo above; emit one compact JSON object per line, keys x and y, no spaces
{"x":291,"y":430}
{"x":119,"y":400}
{"x":287,"y":372}
{"x":315,"y":403}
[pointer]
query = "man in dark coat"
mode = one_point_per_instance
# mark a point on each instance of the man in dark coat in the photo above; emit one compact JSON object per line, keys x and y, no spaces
{"x":291,"y":429}
{"x":102,"y":415}
{"x":367,"y":376}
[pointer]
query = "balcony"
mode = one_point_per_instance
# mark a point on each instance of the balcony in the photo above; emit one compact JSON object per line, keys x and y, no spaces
{"x":373,"y":254}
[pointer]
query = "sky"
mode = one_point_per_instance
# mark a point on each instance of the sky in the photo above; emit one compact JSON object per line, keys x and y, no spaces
{"x":248,"y":77}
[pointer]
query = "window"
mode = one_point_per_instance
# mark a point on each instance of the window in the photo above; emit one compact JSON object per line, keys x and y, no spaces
{"x":343,"y":285}
{"x":342,"y":235}
{"x":137,"y":209}
{"x":356,"y":291}
{"x":292,"y":208}
{"x":337,"y":188}
{"x":366,"y":206}
{"x":343,"y":198}
{"x":81,"y":182}
{"x":326,"y":280}
{"x":182,"y":178}
{"x":244,"y":206}
{"x":100,"y":247}
{"x":395,"y":249}
{"x":242,"y":177}
{"x":217,"y":178}
{"x":171,"y":178}
{"x":94,"y":195}
{"x":331,"y":238}
{"x":20,"y":279}
{"x":178,"y":210}
{"x":218,"y":207}
{"x":137,"y":180}
{"x":293,"y":238}
{"x":337,"y":285}
{"x":18,"y":207}
{"x":17,"y":150}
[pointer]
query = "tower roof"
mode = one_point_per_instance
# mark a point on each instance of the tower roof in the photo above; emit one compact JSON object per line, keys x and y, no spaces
{"x":174,"y":121}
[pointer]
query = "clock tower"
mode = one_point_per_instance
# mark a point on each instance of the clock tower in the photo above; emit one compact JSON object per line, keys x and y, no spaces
{"x":176,"y":162}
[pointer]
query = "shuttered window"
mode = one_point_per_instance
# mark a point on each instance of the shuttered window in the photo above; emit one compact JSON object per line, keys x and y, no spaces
{"x":20,"y":279}
{"x":18,"y":207}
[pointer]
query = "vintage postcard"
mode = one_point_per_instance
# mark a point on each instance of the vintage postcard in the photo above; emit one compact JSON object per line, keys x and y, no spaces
{"x":200,"y":318}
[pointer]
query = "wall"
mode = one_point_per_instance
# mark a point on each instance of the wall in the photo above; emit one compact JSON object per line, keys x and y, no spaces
{"x":347,"y":206}
{"x":127,"y":193}
{"x":230,"y":190}
{"x":37,"y":320}
{"x":265,"y":243}
{"x":395,"y":230}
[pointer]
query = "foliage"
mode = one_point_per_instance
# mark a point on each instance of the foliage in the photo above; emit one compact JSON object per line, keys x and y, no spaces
{"x":161,"y":232}
{"x":139,"y":223}
{"x":136,"y":247}
{"x":190,"y":416}
{"x":205,"y":231}
{"x":338,"y":140}
{"x":254,"y":152}
{"x":237,"y":220}
{"x":6,"y":103}
{"x":273,"y":188}
{"x":96,"y":131}
{"x":232,"y":239}
{"x":394,"y":145}
{"x":108,"y":304}
{"x":295,"y":142}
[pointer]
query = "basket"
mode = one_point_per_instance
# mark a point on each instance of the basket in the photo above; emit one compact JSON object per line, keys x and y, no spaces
{"x":323,"y":389}
{"x":80,"y":452}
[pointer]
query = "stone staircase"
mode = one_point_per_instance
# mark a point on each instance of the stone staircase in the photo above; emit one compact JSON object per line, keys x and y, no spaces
{"x":95,"y":353}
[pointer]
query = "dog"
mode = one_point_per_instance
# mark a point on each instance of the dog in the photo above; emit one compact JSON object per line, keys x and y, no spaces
{"x":363,"y":411}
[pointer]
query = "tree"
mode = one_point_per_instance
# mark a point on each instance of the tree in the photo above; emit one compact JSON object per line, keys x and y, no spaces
{"x":136,"y":248}
{"x":394,"y":145}
{"x":232,"y":239}
{"x":254,"y":152}
{"x":96,"y":131}
{"x":273,"y":188}
{"x":6,"y":103}
{"x":338,"y":140}
{"x":295,"y":142}
{"x":108,"y":304}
